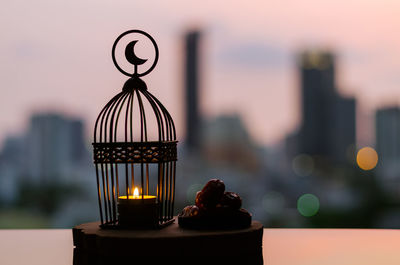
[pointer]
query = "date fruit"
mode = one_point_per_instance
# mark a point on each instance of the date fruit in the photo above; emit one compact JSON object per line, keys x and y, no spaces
{"x":190,"y":211}
{"x":231,"y":200}
{"x":211,"y":194}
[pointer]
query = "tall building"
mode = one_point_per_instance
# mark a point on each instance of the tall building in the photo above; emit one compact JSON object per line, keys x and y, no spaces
{"x":191,"y":69}
{"x":226,"y":140}
{"x":54,"y":147}
{"x":10,"y":164}
{"x":51,"y":151}
{"x":387,"y":131}
{"x":328,"y":119}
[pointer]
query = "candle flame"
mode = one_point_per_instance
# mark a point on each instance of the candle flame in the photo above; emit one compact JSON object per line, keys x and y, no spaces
{"x":136,"y":192}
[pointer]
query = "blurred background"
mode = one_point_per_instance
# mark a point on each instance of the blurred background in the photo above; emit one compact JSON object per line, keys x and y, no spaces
{"x":293,"y":104}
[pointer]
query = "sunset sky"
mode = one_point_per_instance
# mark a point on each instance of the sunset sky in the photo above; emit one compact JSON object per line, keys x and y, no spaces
{"x":55,"y":55}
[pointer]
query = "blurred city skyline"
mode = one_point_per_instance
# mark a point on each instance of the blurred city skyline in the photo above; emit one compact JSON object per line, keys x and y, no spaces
{"x":315,"y":178}
{"x":56,"y":55}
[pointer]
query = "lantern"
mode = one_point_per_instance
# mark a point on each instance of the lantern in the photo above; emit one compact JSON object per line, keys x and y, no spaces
{"x":134,"y":151}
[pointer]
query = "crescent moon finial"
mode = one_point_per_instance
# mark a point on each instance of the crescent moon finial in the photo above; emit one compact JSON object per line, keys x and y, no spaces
{"x":131,"y":56}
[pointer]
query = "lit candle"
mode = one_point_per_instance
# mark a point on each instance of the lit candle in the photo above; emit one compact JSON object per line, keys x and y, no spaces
{"x":135,"y":211}
{"x":136,"y":198}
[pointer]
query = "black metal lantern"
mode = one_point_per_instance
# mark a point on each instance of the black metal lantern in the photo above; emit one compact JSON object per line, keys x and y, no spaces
{"x":135,"y":169}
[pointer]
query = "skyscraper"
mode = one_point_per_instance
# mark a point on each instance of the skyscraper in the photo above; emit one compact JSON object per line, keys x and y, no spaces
{"x":191,"y":88}
{"x":387,"y":131}
{"x":54,"y":147}
{"x":328,"y":119}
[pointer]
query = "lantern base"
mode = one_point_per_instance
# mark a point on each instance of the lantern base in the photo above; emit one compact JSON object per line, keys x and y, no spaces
{"x":171,"y":245}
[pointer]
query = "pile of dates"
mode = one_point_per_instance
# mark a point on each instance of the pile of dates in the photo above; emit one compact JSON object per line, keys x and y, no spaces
{"x":215,"y":209}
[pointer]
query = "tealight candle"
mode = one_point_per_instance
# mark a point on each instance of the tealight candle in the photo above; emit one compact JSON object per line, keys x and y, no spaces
{"x":137,"y":210}
{"x":136,"y":198}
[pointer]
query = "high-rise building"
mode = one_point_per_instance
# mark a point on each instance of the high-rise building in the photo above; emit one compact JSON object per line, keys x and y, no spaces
{"x":226,"y":140}
{"x":344,"y":130}
{"x":10,"y":163}
{"x":387,"y":131}
{"x":191,"y":69}
{"x":54,"y":146}
{"x":328,"y":119}
{"x":51,"y":151}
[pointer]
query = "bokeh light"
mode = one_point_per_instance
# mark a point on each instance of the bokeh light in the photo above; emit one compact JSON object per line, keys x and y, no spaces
{"x":308,"y":205}
{"x":367,"y":158}
{"x":303,"y":165}
{"x":191,"y":192}
{"x":273,"y":202}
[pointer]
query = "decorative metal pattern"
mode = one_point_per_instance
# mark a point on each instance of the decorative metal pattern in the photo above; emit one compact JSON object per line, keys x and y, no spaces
{"x":125,"y":154}
{"x":146,"y":152}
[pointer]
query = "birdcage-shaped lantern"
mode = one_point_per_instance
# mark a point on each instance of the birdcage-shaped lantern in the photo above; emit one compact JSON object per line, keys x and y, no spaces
{"x":135,"y":152}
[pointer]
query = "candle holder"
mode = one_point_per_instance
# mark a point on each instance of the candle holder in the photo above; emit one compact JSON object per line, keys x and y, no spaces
{"x":134,"y":151}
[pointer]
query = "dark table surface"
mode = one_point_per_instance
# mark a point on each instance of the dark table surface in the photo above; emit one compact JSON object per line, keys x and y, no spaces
{"x":281,"y":247}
